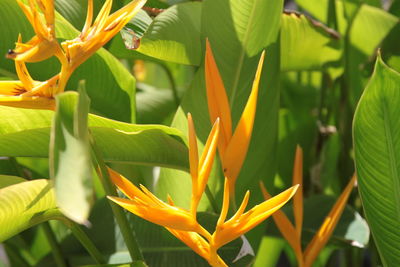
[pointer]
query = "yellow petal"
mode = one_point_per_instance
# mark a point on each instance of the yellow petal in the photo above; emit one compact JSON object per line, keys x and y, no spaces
{"x":236,"y":151}
{"x":233,"y":229}
{"x":126,"y":187}
{"x":218,"y":105}
{"x":89,"y":19}
{"x":325,"y":231}
{"x":24,"y":75}
{"x":11,"y":88}
{"x":169,"y":216}
{"x":298,"y":197}
{"x":34,"y":51}
{"x":207,"y":157}
{"x":285,"y":227}
{"x":32,"y":102}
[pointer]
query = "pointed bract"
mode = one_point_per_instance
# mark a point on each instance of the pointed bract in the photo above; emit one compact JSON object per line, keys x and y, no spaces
{"x":325,"y":231}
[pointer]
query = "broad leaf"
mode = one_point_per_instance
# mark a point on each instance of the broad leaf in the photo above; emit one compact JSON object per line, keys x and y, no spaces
{"x":7,"y":180}
{"x":174,"y":36}
{"x":70,"y":161}
{"x":26,"y":204}
{"x":377,"y":157}
{"x":307,"y":44}
{"x":25,"y":132}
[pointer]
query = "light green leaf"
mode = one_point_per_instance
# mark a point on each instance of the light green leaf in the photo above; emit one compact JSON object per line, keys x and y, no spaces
{"x":7,"y":180}
{"x":377,"y":159}
{"x":26,"y":204}
{"x":174,"y":35}
{"x":307,"y":44}
{"x":70,"y":161}
{"x":25,"y":132}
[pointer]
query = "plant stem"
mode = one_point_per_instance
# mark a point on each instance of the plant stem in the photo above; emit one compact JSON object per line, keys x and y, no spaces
{"x":122,"y":221}
{"x":55,"y":247}
{"x":87,"y":243}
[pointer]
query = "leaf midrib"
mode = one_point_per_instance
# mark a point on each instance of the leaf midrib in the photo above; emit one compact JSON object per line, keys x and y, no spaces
{"x":241,"y":56}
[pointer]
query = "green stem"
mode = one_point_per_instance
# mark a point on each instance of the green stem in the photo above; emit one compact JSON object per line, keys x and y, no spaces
{"x":87,"y":243}
{"x":211,"y":198}
{"x":55,"y":247}
{"x":122,"y":221}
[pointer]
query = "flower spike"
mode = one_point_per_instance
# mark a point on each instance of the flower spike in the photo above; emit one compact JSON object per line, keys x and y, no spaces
{"x":242,"y":223}
{"x":293,"y":233}
{"x":325,"y":231}
{"x":44,"y":44}
{"x":232,"y":148}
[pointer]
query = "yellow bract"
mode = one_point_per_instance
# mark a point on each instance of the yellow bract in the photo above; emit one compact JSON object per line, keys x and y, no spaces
{"x":232,"y":148}
{"x":183,"y":223}
{"x":293,"y":233}
{"x":26,"y":92}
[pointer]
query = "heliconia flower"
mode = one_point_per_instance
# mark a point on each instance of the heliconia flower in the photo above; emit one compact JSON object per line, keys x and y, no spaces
{"x":242,"y":222}
{"x":26,"y":92}
{"x":44,"y":44}
{"x":95,"y":35}
{"x":232,"y":147}
{"x":293,"y":233}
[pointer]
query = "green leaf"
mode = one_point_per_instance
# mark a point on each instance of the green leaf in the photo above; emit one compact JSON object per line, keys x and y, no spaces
{"x":362,"y":46}
{"x":307,"y":44}
{"x":109,"y":84}
{"x":25,"y":132}
{"x":377,"y":157}
{"x":7,"y":180}
{"x":174,"y":35}
{"x":70,"y":161}
{"x":26,"y":204}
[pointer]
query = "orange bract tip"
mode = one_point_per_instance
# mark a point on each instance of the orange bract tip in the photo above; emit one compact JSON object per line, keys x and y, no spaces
{"x":325,"y":231}
{"x":236,"y":151}
{"x":218,"y":104}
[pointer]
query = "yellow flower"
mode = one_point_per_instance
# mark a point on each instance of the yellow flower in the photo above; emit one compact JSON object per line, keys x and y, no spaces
{"x":232,"y":147}
{"x":95,"y":35}
{"x":242,"y":222}
{"x":44,"y":44}
{"x":292,"y":233}
{"x":147,"y":206}
{"x":26,"y":92}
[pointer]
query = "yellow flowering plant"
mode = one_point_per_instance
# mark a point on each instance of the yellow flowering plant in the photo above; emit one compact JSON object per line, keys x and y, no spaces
{"x":189,"y":105}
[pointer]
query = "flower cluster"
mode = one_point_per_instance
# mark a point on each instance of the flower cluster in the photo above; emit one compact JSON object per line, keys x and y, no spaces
{"x":232,"y":148}
{"x":292,"y":233}
{"x":28,"y":93}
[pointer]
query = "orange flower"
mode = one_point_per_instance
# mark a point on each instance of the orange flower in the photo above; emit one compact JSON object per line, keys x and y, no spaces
{"x":232,"y":148}
{"x":292,"y":233}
